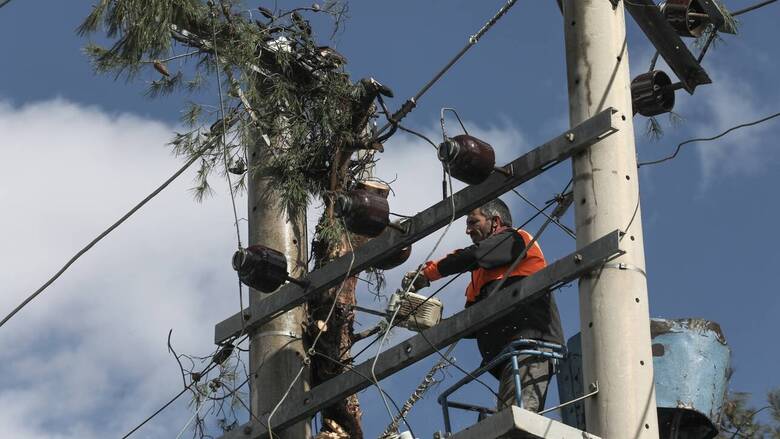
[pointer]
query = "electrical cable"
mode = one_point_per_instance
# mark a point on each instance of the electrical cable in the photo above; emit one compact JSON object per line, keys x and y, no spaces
{"x":417,"y":274}
{"x":102,"y":235}
{"x":749,"y":419}
{"x":557,"y":222}
{"x":410,"y":131}
{"x":225,"y":160}
{"x":4,"y":2}
{"x":563,"y":204}
{"x":751,"y":8}
{"x":209,"y":367}
{"x":441,"y":121}
{"x":707,"y":139}
{"x":197,"y":411}
{"x":412,"y":102}
{"x":353,"y":370}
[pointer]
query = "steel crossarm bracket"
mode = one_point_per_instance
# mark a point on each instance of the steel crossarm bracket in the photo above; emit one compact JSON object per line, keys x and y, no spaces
{"x":408,"y":352}
{"x":424,"y":223}
{"x":514,"y":422}
{"x":671,"y":47}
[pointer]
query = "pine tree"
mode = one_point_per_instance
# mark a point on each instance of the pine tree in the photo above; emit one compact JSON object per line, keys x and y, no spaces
{"x":279,"y":84}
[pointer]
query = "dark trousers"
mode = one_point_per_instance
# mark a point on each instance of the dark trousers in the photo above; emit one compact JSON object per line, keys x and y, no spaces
{"x":535,"y":374}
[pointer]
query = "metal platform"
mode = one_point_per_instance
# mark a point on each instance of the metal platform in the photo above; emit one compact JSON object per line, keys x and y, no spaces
{"x":517,"y":423}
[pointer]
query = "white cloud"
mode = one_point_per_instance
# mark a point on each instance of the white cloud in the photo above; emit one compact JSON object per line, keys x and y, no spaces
{"x":88,"y":357}
{"x":727,"y":103}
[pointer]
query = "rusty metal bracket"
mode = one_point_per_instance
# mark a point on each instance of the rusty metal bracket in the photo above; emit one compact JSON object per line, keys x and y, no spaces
{"x":671,"y":47}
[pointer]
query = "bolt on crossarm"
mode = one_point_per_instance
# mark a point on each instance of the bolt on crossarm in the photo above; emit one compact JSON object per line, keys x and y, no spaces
{"x":614,"y":312}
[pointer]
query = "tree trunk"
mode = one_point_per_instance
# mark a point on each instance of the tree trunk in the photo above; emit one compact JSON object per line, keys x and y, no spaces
{"x":336,"y":341}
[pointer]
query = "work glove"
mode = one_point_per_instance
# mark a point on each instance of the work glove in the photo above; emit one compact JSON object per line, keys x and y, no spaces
{"x":419,"y":283}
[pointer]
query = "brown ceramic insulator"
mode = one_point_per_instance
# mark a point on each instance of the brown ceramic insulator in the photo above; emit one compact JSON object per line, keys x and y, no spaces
{"x":685,"y":16}
{"x":364,"y":212}
{"x":470,"y":160}
{"x":395,"y":259}
{"x":261,"y":268}
{"x":652,"y":94}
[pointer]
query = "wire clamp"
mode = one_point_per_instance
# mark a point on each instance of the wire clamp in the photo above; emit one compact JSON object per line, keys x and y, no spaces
{"x":290,"y":334}
{"x":624,"y":266}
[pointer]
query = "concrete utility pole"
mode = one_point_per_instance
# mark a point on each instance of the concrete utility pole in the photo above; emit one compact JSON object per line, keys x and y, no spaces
{"x":614,"y":314}
{"x":277,"y":345}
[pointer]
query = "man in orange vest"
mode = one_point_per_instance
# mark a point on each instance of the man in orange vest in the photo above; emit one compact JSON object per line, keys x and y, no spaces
{"x":496,"y":246}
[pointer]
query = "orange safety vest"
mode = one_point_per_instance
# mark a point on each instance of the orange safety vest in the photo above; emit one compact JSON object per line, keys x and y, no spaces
{"x":533,"y":262}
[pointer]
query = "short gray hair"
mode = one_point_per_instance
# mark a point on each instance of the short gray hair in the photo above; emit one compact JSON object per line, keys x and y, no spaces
{"x":497,"y":208}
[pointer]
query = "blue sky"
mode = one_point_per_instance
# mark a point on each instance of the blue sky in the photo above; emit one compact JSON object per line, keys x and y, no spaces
{"x":88,"y":358}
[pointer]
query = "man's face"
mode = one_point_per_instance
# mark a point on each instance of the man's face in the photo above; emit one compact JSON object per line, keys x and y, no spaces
{"x":479,"y":227}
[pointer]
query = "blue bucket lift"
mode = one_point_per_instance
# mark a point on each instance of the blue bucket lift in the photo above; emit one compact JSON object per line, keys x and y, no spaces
{"x":691,"y":363}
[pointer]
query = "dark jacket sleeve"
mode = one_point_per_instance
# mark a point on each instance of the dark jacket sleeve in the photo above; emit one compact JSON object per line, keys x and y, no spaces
{"x":494,"y":251}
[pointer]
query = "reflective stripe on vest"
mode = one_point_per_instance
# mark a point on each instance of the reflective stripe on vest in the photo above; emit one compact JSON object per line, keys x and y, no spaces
{"x":533,"y":262}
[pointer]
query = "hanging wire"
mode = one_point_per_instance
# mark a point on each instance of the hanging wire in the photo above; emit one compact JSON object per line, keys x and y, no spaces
{"x":410,"y":131}
{"x":441,"y":121}
{"x":225,"y":159}
{"x":357,"y":372}
{"x":224,"y":125}
{"x":707,"y":139}
{"x":417,"y":274}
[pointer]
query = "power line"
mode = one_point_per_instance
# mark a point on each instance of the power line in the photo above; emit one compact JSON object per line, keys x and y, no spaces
{"x":417,"y":274}
{"x":750,"y":8}
{"x":106,"y":232}
{"x":209,"y":367}
{"x":4,"y":2}
{"x":707,"y":139}
{"x":557,"y":221}
{"x":412,"y":102}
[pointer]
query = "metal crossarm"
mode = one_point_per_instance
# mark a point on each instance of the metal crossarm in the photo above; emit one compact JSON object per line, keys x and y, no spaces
{"x":404,"y":354}
{"x":424,"y":223}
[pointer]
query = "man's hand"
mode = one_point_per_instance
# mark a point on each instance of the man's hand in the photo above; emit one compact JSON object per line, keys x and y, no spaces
{"x":419,"y":283}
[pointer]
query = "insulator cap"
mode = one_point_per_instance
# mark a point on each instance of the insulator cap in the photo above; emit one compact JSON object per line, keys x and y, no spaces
{"x":364,"y":212}
{"x":652,"y":94}
{"x":470,"y":160}
{"x":687,"y":17}
{"x":261,"y":268}
{"x":395,"y":259}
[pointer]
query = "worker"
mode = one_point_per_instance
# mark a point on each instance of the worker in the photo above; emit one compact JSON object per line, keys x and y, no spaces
{"x":496,"y":246}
